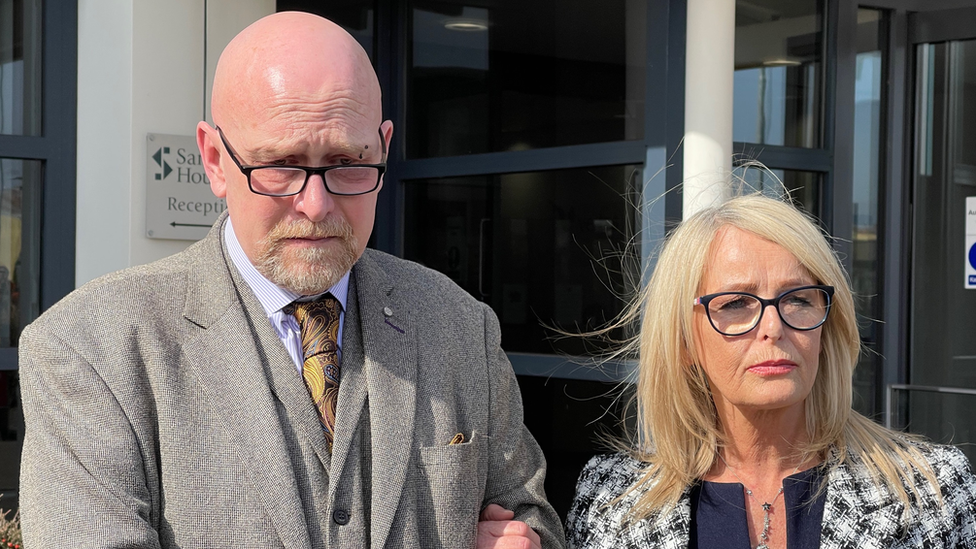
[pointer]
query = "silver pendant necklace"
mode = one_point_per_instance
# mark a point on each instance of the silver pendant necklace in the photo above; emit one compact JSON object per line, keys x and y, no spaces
{"x":766,"y":505}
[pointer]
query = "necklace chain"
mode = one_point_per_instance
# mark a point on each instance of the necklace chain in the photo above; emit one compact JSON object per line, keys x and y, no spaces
{"x":766,"y":505}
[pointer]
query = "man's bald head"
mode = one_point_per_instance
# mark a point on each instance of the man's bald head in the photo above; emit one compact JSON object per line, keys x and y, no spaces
{"x":296,"y":90}
{"x":288,"y":57}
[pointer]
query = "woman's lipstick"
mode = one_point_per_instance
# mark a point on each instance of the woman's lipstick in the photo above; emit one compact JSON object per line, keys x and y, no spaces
{"x":773,"y":367}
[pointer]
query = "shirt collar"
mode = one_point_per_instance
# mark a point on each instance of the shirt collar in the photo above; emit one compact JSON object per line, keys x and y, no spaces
{"x":271,"y":296}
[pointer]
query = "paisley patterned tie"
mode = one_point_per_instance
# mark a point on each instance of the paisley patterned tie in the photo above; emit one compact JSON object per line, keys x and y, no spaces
{"x":319,"y":324}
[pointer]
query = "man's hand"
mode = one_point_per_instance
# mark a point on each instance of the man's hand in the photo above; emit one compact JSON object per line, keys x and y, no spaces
{"x":497,"y":530}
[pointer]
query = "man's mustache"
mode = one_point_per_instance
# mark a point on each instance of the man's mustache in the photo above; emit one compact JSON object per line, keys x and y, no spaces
{"x":303,"y":228}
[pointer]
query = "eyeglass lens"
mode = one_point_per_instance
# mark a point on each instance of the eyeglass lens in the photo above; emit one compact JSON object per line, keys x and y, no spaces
{"x":801,"y":309}
{"x":340,"y":179}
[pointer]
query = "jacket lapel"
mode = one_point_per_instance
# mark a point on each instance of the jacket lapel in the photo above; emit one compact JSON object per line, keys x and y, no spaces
{"x":286,"y":383}
{"x":228,"y":362}
{"x":390,"y":353}
{"x":352,"y":389}
{"x":281,"y":374}
{"x":857,"y":513}
{"x":672,"y":531}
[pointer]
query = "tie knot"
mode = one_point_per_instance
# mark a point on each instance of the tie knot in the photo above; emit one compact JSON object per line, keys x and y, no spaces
{"x":318,"y":322}
{"x":326,"y":307}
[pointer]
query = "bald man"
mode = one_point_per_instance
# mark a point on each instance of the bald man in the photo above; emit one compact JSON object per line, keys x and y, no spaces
{"x":276,"y":384}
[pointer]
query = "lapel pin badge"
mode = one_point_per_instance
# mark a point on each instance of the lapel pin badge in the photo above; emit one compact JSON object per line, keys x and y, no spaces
{"x":388,"y":312}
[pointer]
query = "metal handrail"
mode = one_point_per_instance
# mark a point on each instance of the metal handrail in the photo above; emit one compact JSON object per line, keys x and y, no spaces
{"x":923,"y":388}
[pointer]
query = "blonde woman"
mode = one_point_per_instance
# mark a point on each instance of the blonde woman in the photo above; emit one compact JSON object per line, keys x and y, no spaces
{"x":746,"y":436}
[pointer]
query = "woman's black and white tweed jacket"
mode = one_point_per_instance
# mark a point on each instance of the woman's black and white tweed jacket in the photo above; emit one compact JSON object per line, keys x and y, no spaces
{"x":856,"y":513}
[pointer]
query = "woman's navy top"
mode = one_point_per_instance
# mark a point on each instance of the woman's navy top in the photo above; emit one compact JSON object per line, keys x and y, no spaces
{"x":718,"y":513}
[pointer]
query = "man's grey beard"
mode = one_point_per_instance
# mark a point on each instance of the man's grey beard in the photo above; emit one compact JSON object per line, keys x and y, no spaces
{"x":307,"y":271}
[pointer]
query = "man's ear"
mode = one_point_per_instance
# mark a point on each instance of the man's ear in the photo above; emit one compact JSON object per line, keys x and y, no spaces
{"x":210,"y":151}
{"x":386,"y":128}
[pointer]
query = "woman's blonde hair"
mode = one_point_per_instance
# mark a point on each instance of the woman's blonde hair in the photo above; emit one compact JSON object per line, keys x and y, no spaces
{"x":678,"y":432}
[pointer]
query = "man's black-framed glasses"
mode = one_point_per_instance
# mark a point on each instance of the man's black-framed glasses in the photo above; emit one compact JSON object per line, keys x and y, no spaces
{"x":737,"y":313}
{"x":341,"y":179}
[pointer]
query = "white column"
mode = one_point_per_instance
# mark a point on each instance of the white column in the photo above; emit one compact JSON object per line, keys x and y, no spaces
{"x":709,"y":71}
{"x":141,"y":69}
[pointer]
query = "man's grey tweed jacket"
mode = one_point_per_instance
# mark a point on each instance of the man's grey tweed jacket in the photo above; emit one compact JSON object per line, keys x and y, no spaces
{"x":163,"y":411}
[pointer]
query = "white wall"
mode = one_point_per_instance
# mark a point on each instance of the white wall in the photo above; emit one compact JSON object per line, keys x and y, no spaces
{"x":140,"y":70}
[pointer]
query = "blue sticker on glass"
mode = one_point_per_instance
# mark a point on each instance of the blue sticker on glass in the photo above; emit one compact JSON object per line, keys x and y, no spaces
{"x":972,"y":255}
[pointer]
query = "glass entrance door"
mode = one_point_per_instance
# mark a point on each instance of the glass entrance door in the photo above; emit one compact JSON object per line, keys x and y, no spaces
{"x":941,"y":397}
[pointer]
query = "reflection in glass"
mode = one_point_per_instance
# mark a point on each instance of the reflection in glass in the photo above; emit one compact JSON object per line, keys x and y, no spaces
{"x":866,"y":189}
{"x":942,"y":346}
{"x":355,"y":16}
{"x":20,"y":67}
{"x":803,"y":187}
{"x":778,"y":53}
{"x":20,"y":183}
{"x":867,"y":160}
{"x":549,"y":248}
{"x":11,"y":438}
{"x":571,"y":419}
{"x":944,"y":417}
{"x":943,"y":312}
{"x":514,"y":75}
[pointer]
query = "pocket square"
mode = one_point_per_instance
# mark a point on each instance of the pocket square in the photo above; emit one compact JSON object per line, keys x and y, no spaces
{"x":458,"y":439}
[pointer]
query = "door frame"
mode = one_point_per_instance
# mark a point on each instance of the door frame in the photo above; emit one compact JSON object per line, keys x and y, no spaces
{"x":911,"y":23}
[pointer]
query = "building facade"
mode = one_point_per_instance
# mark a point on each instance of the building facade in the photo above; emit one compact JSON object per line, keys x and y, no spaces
{"x":541,"y":151}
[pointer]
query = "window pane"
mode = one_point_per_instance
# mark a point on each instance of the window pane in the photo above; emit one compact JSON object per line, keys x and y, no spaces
{"x":865,"y":276}
{"x":571,"y":420}
{"x":944,"y":417}
{"x":778,"y":60}
{"x":356,"y":16}
{"x":20,"y":184}
{"x":521,"y":75}
{"x":804,"y":187}
{"x":11,"y":438}
{"x":548,"y":248}
{"x":943,"y":311}
{"x":867,"y":159}
{"x":20,"y":67}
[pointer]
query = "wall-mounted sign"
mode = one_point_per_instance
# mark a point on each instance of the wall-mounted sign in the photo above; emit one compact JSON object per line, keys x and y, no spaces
{"x":970,"y":243}
{"x":179,"y":204}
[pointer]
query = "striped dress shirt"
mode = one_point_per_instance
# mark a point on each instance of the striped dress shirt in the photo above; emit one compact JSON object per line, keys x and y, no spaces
{"x":273,"y":298}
